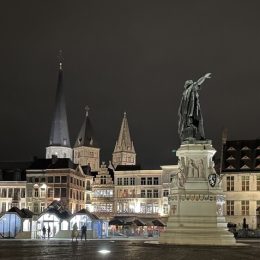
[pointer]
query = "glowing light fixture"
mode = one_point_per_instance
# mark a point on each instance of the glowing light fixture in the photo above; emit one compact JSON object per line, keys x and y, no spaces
{"x":104,"y":251}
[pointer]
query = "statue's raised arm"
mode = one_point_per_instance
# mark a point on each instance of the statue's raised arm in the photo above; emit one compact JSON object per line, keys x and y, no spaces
{"x":202,"y":79}
{"x":190,"y":117}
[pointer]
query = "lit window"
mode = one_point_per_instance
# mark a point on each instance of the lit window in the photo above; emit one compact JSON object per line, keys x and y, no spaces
{"x":155,"y":180}
{"x":230,"y":183}
{"x":245,"y":183}
{"x":165,"y":208}
{"x":119,"y":181}
{"x":149,"y":181}
{"x":132,"y":181}
{"x":257,"y":182}
{"x":245,"y":207}
{"x":103,"y":180}
{"x":125,"y":181}
{"x":149,"y":194}
{"x":43,"y":192}
{"x":230,"y":207}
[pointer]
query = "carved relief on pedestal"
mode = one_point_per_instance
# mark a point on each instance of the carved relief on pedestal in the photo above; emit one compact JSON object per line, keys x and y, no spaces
{"x":196,"y":168}
{"x":220,"y":201}
{"x":179,"y":178}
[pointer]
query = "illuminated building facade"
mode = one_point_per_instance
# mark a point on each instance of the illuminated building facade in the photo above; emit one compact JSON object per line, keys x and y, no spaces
{"x":56,"y":179}
{"x":240,"y":170}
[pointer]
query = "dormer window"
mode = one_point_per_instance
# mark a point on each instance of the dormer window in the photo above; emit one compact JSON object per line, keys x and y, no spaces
{"x":64,"y":141}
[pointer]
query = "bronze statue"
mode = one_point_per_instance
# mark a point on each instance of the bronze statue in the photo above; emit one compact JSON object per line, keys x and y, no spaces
{"x":190,"y":117}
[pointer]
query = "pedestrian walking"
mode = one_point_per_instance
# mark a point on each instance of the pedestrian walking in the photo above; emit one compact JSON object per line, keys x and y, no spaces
{"x":74,"y":233}
{"x":44,"y":232}
{"x":49,"y":231}
{"x":84,"y":232}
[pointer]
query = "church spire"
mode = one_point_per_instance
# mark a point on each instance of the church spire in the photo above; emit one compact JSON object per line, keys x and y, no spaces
{"x":124,"y":152}
{"x":59,"y":142}
{"x":86,"y":135}
{"x":86,"y":150}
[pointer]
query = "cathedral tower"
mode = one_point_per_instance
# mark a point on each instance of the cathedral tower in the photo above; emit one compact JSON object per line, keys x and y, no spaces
{"x":124,"y":152}
{"x":86,"y":150}
{"x":59,"y":143}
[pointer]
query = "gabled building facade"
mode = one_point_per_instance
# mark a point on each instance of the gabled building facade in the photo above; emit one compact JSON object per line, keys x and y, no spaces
{"x":103,"y":194}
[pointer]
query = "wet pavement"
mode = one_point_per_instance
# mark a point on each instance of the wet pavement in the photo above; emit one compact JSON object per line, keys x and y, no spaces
{"x":118,"y":249}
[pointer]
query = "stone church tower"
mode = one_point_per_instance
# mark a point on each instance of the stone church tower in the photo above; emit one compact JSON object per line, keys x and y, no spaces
{"x":124,"y":152}
{"x":59,"y":143}
{"x":86,"y":150}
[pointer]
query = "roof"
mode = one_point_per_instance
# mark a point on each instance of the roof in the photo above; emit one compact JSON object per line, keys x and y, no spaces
{"x":54,"y":163}
{"x":86,"y":135}
{"x":124,"y":142}
{"x":87,"y":170}
{"x":23,"y":213}
{"x":128,"y":167}
{"x":13,"y":171}
{"x":241,"y":156}
{"x":86,"y":212}
{"x":120,"y":221}
{"x":59,"y":135}
{"x":58,"y":209}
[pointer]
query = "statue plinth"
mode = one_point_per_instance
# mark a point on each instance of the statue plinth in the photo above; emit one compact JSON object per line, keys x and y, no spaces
{"x":196,"y":215}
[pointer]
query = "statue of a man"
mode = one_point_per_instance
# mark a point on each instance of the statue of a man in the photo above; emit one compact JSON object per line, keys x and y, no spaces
{"x":190,"y":117}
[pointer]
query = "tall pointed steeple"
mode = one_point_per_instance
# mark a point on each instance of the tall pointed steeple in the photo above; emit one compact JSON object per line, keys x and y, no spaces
{"x":86,"y":150}
{"x":124,"y":152}
{"x":59,"y":143}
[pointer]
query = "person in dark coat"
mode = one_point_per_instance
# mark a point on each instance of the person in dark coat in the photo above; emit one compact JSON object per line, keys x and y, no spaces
{"x":44,"y":232}
{"x":84,"y":232}
{"x":49,"y":231}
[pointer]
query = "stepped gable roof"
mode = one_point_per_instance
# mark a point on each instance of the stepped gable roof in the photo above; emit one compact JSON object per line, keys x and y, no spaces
{"x":128,"y":168}
{"x":86,"y":135}
{"x":54,"y":163}
{"x":14,"y":171}
{"x":59,"y":135}
{"x":86,"y":212}
{"x":241,"y":156}
{"x":58,"y":209}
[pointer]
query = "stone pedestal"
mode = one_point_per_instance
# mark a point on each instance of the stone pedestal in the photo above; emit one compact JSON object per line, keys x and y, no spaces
{"x":196,"y":215}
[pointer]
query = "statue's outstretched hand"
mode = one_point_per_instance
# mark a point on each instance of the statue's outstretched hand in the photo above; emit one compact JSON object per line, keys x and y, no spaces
{"x":207,"y":76}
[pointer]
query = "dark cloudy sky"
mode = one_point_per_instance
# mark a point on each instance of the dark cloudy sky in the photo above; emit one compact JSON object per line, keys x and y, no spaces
{"x":131,"y":56}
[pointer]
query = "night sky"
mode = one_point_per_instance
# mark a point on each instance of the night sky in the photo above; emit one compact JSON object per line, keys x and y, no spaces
{"x":131,"y":56}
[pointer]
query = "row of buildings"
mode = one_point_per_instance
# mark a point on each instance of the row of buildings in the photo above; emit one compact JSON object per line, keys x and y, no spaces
{"x":120,"y":190}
